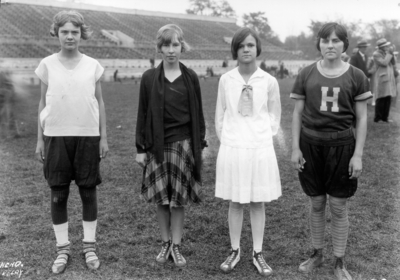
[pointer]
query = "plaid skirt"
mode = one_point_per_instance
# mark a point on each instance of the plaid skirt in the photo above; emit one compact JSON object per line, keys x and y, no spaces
{"x":171,"y":182}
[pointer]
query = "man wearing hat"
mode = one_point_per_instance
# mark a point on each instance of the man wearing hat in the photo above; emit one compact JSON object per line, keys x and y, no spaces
{"x":383,"y":83}
{"x":359,"y":59}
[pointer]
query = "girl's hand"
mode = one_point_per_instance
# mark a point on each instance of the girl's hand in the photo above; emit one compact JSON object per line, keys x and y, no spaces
{"x":40,"y":151}
{"x":103,"y":148}
{"x":141,"y":159}
{"x":355,"y":167}
{"x":298,"y":160}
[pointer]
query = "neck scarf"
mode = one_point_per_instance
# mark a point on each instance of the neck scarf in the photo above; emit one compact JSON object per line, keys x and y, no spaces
{"x":245,"y":106}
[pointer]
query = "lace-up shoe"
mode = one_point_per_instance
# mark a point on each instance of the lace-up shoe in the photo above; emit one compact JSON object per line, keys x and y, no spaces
{"x":165,"y":252}
{"x":179,"y":260}
{"x":340,"y":270}
{"x":314,"y":261}
{"x":263,"y":268}
{"x":231,"y":261}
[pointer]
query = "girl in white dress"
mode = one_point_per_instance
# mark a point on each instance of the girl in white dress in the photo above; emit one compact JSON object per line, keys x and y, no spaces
{"x":247,"y":116}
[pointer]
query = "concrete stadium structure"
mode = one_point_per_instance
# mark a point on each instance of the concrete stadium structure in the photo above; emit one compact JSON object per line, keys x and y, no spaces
{"x":122,"y":39}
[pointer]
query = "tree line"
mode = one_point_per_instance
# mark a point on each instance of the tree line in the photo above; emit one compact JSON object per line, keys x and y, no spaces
{"x":303,"y":44}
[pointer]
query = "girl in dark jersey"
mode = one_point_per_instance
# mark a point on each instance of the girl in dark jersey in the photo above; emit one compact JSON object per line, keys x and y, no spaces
{"x":331,"y":98}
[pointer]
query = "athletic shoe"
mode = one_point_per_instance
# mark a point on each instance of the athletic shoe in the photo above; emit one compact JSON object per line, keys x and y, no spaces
{"x":179,"y":260}
{"x":229,"y":264}
{"x":340,"y":270}
{"x":262,"y":267}
{"x":60,"y":264}
{"x":89,"y":250}
{"x":314,"y":261}
{"x":164,"y":253}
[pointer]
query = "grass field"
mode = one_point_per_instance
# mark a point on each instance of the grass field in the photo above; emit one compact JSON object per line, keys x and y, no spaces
{"x":128,"y":238}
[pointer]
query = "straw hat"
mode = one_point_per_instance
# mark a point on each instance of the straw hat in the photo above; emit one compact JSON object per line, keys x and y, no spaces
{"x":362,"y":44}
{"x":382,"y":43}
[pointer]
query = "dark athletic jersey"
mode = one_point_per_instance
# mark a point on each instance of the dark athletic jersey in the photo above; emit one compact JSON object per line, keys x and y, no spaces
{"x":329,"y":102}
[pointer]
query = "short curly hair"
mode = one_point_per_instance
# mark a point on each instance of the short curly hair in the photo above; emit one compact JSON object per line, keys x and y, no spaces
{"x":73,"y":17}
{"x":167,"y":33}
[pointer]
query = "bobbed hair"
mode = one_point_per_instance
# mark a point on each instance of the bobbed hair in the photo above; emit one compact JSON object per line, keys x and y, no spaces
{"x":169,"y":33}
{"x":239,"y":36}
{"x":73,"y":17}
{"x":327,"y":29}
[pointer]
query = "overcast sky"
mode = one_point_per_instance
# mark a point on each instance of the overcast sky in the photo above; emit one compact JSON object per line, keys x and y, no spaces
{"x":286,"y":17}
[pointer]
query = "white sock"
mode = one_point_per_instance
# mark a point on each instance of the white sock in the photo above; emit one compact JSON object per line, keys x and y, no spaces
{"x":61,"y":232}
{"x":89,"y":231}
{"x":257,"y":218}
{"x":235,"y":219}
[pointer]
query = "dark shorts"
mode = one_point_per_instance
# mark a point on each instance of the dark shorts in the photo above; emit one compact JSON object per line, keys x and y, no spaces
{"x":326,"y":167}
{"x":72,"y":158}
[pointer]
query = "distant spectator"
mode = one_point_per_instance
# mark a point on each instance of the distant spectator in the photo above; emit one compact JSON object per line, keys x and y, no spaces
{"x":116,"y":78}
{"x":263,"y":66}
{"x":359,"y":59}
{"x":8,"y":126}
{"x":345,"y":57}
{"x":282,"y":70}
{"x":152,"y":63}
{"x":209,"y":71}
{"x":225,"y":63}
{"x":383,"y":83}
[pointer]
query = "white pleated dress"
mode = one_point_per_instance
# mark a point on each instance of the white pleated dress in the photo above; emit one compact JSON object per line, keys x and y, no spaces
{"x":247,"y":169}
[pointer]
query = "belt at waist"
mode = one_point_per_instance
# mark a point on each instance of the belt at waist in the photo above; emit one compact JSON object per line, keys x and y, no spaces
{"x":328,"y":135}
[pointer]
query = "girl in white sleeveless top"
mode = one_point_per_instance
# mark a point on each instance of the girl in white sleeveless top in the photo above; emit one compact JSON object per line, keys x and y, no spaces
{"x":72,"y":134}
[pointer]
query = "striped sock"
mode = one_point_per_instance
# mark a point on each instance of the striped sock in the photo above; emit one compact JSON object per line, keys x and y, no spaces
{"x":340,"y":225}
{"x":63,"y":252}
{"x":317,"y":220}
{"x":89,"y":249}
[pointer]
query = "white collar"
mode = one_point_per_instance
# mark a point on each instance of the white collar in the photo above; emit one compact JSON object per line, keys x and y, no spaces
{"x":234,"y":73}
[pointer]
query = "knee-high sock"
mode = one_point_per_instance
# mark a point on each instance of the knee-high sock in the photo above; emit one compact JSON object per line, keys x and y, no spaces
{"x":59,"y":199}
{"x":59,"y":213}
{"x":89,"y":213}
{"x":89,"y":203}
{"x":317,"y":220}
{"x":340,"y":225}
{"x":235,"y":220}
{"x":257,"y":218}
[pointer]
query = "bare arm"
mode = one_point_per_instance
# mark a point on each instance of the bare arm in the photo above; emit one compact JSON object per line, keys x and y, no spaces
{"x":103,"y":132}
{"x":355,"y":165}
{"x":297,"y":155}
{"x":220,"y":109}
{"x":40,"y":142}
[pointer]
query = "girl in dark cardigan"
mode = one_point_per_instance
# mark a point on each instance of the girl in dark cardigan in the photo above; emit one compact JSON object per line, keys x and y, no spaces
{"x":170,"y":134}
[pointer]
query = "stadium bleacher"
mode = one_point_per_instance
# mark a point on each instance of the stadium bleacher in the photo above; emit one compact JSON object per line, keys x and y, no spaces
{"x":32,"y":22}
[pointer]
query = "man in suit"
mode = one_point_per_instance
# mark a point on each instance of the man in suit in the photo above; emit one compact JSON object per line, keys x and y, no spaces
{"x":359,"y":59}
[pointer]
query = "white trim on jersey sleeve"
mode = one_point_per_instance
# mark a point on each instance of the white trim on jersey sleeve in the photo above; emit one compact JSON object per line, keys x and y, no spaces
{"x":364,"y":96}
{"x":297,"y":96}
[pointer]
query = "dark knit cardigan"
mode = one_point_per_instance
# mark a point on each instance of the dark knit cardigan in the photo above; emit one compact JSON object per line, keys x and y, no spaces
{"x":150,"y":118}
